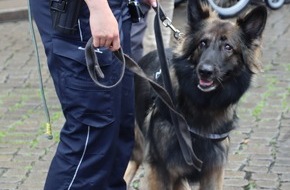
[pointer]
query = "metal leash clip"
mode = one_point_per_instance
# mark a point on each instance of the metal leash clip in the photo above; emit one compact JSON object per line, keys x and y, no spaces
{"x":167,"y":22}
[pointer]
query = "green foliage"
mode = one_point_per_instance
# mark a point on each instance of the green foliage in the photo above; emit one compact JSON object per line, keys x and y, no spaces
{"x":251,"y":186}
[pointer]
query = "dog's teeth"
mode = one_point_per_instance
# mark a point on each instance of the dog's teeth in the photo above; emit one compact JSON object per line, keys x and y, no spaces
{"x":206,"y":88}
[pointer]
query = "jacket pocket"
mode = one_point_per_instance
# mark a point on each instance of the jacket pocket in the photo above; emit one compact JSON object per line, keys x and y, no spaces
{"x":88,"y":103}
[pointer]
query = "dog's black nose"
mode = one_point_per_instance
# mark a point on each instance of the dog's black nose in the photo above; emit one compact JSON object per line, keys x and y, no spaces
{"x":205,"y":70}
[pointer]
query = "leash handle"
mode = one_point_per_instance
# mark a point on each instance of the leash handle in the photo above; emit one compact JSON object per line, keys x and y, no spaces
{"x":94,"y":68}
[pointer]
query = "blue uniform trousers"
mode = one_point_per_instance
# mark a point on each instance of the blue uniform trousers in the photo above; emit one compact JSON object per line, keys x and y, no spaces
{"x":97,"y":137}
{"x":137,"y":34}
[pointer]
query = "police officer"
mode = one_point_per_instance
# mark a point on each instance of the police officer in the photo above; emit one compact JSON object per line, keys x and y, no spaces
{"x":97,"y":136}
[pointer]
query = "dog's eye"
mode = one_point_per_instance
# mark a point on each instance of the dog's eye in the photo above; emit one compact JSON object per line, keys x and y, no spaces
{"x":228,"y":47}
{"x":202,"y":44}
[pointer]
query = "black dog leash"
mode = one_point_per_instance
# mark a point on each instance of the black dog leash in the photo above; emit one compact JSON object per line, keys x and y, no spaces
{"x":180,"y":124}
{"x":94,"y":68}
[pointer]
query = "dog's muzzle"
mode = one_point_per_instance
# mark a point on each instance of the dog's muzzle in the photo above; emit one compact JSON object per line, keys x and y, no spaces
{"x":206,"y":82}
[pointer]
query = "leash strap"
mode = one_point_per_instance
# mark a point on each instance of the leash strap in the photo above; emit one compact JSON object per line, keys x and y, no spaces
{"x":181,"y":127}
{"x":94,"y":68}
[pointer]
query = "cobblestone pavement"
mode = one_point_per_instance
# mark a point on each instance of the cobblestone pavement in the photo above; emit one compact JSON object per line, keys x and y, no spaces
{"x":260,"y":148}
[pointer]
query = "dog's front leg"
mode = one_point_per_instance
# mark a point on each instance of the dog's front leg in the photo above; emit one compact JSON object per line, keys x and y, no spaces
{"x":136,"y":157}
{"x":152,"y":178}
{"x":181,"y":184}
{"x":155,"y":178}
{"x":158,"y":178}
{"x":213,"y":180}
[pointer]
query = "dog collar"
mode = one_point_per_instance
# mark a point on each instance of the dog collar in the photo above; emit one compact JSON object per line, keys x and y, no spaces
{"x":211,"y":136}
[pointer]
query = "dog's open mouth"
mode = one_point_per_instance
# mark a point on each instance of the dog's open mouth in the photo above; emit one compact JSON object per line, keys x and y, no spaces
{"x":206,"y":85}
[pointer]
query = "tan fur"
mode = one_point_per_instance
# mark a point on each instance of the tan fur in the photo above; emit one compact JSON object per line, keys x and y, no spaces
{"x":131,"y":171}
{"x":137,"y":155}
{"x":213,"y":180}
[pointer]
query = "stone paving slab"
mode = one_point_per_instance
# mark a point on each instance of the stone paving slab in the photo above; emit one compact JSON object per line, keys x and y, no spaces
{"x":260,"y":151}
{"x":13,"y":10}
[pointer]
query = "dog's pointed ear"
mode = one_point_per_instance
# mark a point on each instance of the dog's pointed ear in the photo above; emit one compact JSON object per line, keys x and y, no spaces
{"x":252,"y":26}
{"x":197,"y":10}
{"x":253,"y":23}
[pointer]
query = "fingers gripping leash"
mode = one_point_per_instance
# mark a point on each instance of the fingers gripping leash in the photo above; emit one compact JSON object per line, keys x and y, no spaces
{"x":94,"y":68}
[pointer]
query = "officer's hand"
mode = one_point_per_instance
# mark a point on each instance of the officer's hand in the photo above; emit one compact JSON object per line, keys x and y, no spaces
{"x":153,"y":3}
{"x":104,"y":26}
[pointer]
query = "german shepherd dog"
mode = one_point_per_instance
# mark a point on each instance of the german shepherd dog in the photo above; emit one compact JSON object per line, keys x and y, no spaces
{"x":210,"y":71}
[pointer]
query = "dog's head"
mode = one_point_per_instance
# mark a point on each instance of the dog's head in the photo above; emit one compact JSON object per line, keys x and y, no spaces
{"x":219,"y":50}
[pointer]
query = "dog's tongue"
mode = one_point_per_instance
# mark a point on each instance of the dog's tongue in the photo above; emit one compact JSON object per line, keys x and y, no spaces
{"x":205,"y":83}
